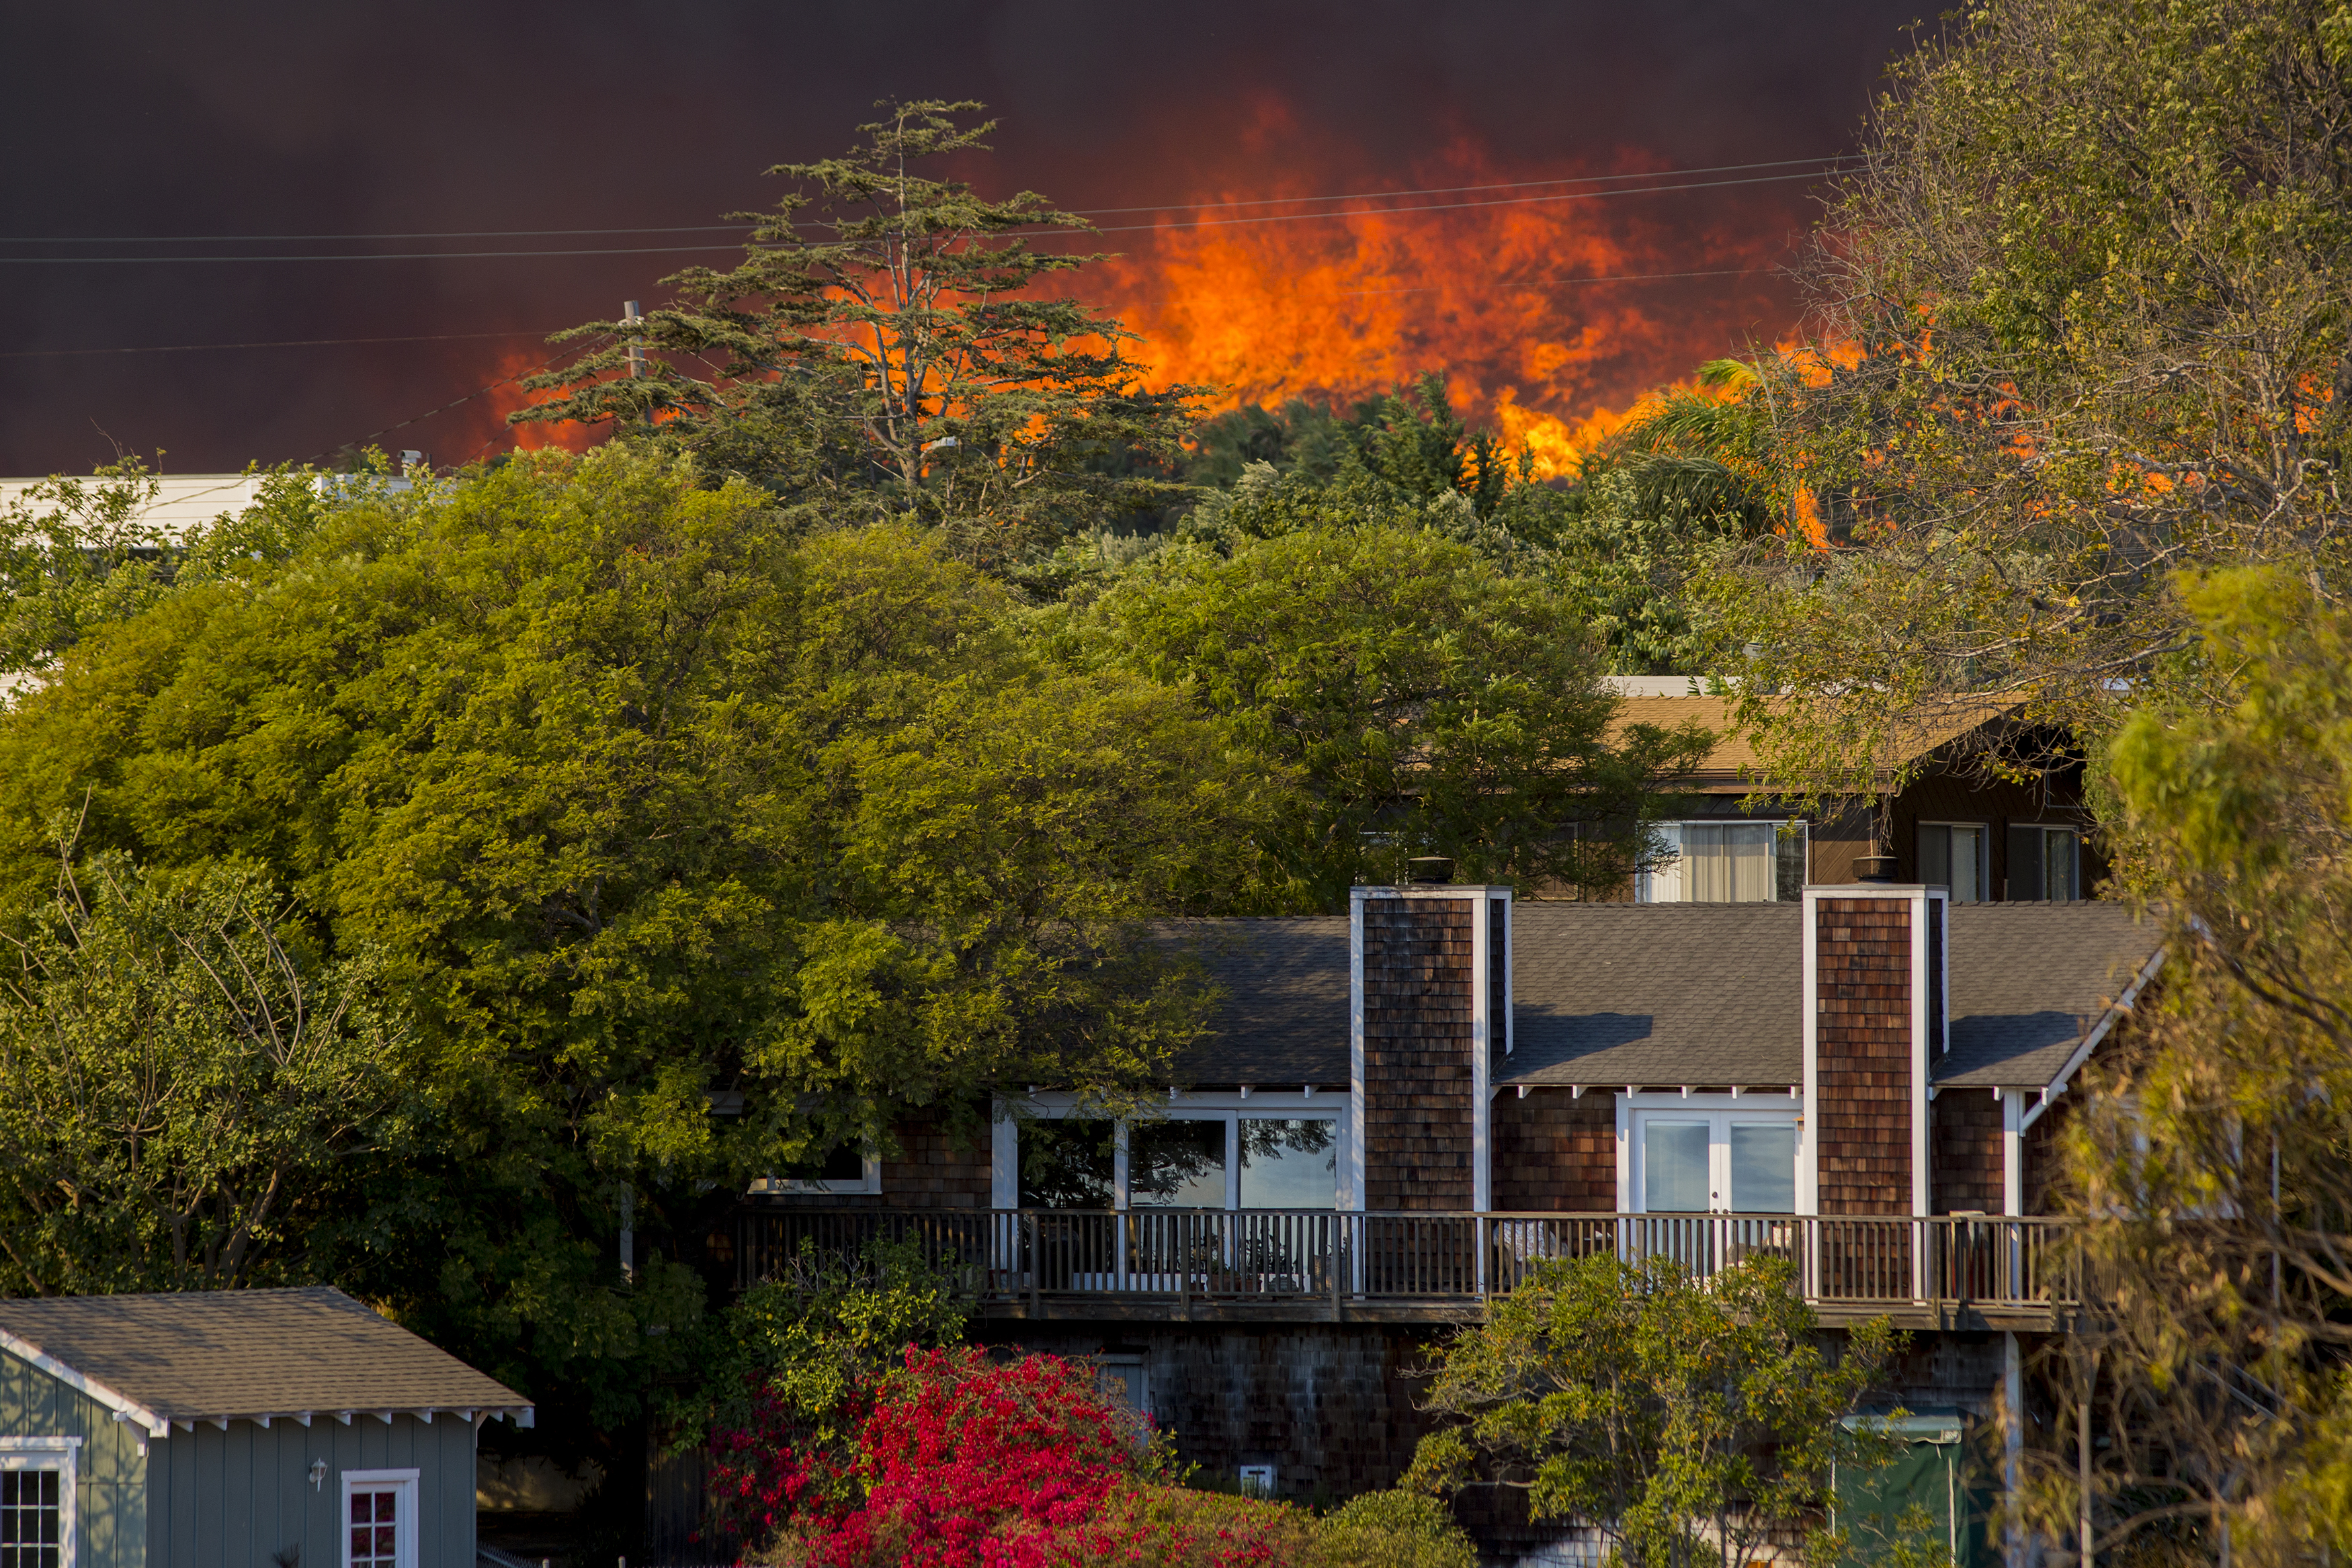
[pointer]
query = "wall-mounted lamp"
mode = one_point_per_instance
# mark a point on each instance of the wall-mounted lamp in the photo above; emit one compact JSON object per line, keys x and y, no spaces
{"x":318,"y":1474}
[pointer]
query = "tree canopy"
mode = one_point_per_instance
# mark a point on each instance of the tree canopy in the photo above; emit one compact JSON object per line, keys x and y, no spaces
{"x":888,"y":354}
{"x":2082,"y":321}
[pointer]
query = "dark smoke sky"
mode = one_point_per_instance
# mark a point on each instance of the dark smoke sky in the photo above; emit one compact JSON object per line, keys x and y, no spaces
{"x":347,"y":119}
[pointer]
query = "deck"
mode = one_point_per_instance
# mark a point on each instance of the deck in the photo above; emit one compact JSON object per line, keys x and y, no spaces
{"x":1299,"y":1265}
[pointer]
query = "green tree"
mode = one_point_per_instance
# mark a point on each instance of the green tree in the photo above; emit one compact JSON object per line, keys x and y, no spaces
{"x":901,"y":363}
{"x":2210,"y":1163}
{"x":1686,"y":1421}
{"x":1427,"y":702}
{"x":652,"y":803}
{"x":2084,"y":314}
{"x":184,"y":1095}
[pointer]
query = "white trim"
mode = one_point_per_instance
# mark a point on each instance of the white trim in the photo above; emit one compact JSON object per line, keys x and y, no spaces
{"x":2107,"y":1020}
{"x":1808,"y":1159}
{"x":1922,"y":1182}
{"x":1353,"y":1190}
{"x":1482,"y":1063}
{"x":407,"y":1522}
{"x":2012,"y":1153}
{"x":123,"y":1407}
{"x":62,"y":1455}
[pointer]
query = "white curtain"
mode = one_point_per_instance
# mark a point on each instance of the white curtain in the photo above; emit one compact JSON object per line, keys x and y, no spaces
{"x":1727,"y":864}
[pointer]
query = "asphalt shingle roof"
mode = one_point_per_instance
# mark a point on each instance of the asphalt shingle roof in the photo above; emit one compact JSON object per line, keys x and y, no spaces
{"x":1284,"y":1018}
{"x":1659,"y":994}
{"x":219,"y":1354}
{"x":2028,"y":980}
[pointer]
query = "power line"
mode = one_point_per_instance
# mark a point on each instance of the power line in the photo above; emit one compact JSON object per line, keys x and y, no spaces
{"x":458,"y":402}
{"x":1034,"y":233}
{"x":279,"y":343}
{"x":1080,"y":212}
{"x":1563,"y":282}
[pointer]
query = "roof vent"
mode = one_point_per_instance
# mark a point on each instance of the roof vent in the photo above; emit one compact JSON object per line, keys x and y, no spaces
{"x":1430,"y":869}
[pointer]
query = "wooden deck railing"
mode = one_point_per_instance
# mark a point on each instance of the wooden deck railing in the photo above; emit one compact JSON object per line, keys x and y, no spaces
{"x":1327,"y":1263}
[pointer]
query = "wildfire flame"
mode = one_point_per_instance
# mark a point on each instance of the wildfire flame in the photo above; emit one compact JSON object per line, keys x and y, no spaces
{"x":1345,"y":308}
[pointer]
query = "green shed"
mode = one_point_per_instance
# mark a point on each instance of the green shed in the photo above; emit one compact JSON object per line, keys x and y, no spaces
{"x":227,"y":1429}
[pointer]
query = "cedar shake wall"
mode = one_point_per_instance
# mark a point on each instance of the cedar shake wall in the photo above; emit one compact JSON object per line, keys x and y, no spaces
{"x":1417,"y":1088}
{"x":1555,"y":1153}
{"x":2042,"y":1159}
{"x":938,"y":1169}
{"x":1864,"y":1060}
{"x":1964,"y":1151}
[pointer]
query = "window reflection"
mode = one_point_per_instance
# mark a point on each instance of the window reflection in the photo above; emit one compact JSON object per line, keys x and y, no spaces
{"x":1763,"y":1167}
{"x":1177,"y":1165}
{"x":1068,"y":1164}
{"x":1289,"y":1164}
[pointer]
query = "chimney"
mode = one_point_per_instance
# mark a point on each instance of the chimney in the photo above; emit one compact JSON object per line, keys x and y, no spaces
{"x":1429,"y":1005}
{"x":1876,"y":958}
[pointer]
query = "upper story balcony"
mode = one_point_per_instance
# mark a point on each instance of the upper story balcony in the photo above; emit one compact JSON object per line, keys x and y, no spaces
{"x":1942,"y":1271}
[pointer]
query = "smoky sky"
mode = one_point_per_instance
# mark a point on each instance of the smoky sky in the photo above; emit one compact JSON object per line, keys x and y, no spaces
{"x":129,"y":122}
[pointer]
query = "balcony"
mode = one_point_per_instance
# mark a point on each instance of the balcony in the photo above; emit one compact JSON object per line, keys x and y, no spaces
{"x":1318,"y":1266}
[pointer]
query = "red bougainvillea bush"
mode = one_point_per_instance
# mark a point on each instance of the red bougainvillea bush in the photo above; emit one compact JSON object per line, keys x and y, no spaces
{"x":961,"y":1462}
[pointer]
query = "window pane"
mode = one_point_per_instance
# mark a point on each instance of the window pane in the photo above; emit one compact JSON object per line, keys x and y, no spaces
{"x":1728,"y":862}
{"x":1290,"y":1164}
{"x":844,"y":1164}
{"x":1967,"y":866}
{"x":1067,"y":1163}
{"x":1789,"y":864}
{"x":2058,"y":863}
{"x":1763,"y":1167}
{"x":1936,"y":856}
{"x":2025,"y":863}
{"x":1674,"y":1167}
{"x":1176,"y":1164}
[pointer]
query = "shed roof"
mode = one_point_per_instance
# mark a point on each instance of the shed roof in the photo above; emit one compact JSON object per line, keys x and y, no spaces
{"x":1733,"y":761}
{"x":2028,"y":980}
{"x":1659,"y":994}
{"x":211,"y":1355}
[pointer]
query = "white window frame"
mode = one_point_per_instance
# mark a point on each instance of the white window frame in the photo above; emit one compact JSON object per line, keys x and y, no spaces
{"x":868,"y":1184}
{"x":1634,"y":1111}
{"x":406,"y":1521}
{"x":1984,"y":854}
{"x":62,"y":1455}
{"x":1664,"y":885}
{"x":1231,"y":1109}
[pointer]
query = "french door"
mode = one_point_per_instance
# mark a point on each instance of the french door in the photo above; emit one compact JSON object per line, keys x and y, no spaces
{"x":1715,"y":1162}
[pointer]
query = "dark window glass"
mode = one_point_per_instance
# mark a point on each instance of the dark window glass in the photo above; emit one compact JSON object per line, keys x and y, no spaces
{"x":845,"y":1163}
{"x":1067,"y":1163}
{"x":1176,"y":1164}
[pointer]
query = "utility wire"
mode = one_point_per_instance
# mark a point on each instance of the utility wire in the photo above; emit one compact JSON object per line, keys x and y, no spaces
{"x":1032,"y":234}
{"x":419,"y":419}
{"x":1832,"y":161}
{"x":458,"y":336}
{"x":279,"y":343}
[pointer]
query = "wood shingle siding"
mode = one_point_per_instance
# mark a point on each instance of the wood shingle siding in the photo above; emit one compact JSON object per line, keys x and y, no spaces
{"x":1964,"y":1138}
{"x":1554,"y":1152}
{"x":1864,"y":949}
{"x":1417,"y":1067}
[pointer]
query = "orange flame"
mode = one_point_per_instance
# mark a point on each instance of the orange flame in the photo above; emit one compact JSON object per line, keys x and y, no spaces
{"x":1348,"y":306}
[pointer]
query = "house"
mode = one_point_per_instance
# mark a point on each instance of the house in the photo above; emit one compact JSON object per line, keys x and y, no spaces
{"x":1983,"y":839}
{"x":1401,"y":1110}
{"x":234,"y":1427}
